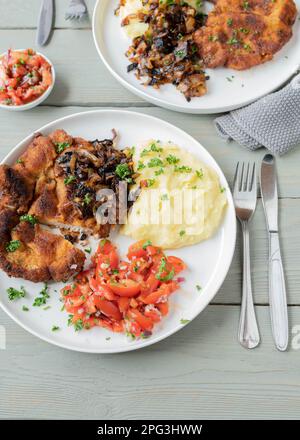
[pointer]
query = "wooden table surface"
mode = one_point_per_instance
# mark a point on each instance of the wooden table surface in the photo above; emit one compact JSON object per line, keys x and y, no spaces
{"x":202,"y":371}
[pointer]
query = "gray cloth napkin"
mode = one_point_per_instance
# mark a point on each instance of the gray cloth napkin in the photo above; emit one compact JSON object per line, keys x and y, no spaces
{"x":272,"y":122}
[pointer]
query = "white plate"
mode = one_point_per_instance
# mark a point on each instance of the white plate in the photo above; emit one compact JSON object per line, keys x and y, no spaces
{"x":208,"y":262}
{"x":224,"y":92}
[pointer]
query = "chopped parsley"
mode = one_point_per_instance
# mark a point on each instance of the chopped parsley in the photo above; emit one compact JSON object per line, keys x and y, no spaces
{"x":199,"y":173}
{"x":246,"y":5}
{"x":213,"y":38}
{"x":88,"y":250}
{"x":161,"y":269}
{"x":159,"y":172}
{"x":19,"y":161}
{"x":13,"y":245}
{"x":182,"y":169}
{"x":124,"y":172}
{"x":61,"y":146}
{"x":153,"y":148}
{"x":184,"y":321}
{"x":29,"y":218}
{"x":55,"y":328}
{"x":229,"y":22}
{"x":222,"y":189}
{"x":140,"y":166}
{"x":25,"y":309}
{"x":87,"y":199}
{"x":78,"y":325}
{"x":42,"y":299}
{"x":232,"y":40}
{"x":150,"y":182}
{"x":14,"y":294}
{"x":198,"y":287}
{"x":155,"y":162}
{"x":69,"y":180}
{"x":147,"y":243}
{"x":182,"y":233}
{"x":172,"y":160}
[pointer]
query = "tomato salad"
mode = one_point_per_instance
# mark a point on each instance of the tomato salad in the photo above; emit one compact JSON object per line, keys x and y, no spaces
{"x":123,"y":296}
{"x":24,"y":77}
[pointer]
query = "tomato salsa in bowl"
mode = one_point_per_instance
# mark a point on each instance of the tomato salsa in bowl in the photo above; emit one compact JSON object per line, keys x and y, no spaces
{"x":26,"y":79}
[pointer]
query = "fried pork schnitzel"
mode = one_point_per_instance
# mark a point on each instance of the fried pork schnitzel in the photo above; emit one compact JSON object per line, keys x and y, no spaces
{"x":55,"y":182}
{"x":241,"y":34}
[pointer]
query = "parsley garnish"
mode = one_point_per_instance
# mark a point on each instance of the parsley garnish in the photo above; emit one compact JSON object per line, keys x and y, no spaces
{"x":171,"y":159}
{"x":78,"y":325}
{"x":199,"y":173}
{"x":61,"y":146}
{"x":182,"y":169}
{"x":147,"y":243}
{"x":55,"y":328}
{"x":182,"y":233}
{"x":29,"y":218}
{"x":13,"y":245}
{"x":159,"y":172}
{"x":229,"y":22}
{"x":184,"y":321}
{"x":124,"y":172}
{"x":69,"y":180}
{"x":155,"y":162}
{"x":15,"y":294}
{"x":161,"y":269}
{"x":140,"y":165}
{"x":42,"y":299}
{"x":25,"y":309}
{"x":88,"y":250}
{"x":87,"y":199}
{"x":198,"y":287}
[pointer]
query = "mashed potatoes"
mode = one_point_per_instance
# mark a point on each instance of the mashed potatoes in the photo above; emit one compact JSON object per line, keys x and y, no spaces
{"x":135,"y":28}
{"x":180,"y":202}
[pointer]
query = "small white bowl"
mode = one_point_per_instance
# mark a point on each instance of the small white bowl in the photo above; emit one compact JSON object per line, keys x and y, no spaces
{"x":38,"y":101}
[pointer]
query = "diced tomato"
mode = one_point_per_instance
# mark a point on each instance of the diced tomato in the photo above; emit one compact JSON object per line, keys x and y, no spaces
{"x":161,"y":293}
{"x":177,"y":264}
{"x":163,"y":308}
{"x":136,"y":250}
{"x":142,"y":320}
{"x":127,"y":288}
{"x":153,"y":314}
{"x":123,"y":304}
{"x":102,"y":290}
{"x":108,"y":308}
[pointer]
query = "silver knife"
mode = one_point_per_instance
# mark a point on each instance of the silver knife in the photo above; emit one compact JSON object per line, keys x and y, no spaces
{"x":277,"y":291}
{"x":45,"y":22}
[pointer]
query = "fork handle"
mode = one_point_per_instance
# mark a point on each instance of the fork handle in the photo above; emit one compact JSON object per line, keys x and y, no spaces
{"x":248,"y":334}
{"x":277,"y":294}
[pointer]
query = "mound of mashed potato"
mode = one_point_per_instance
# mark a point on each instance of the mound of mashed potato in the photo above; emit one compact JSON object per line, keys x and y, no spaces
{"x":179,"y":199}
{"x":136,"y":28}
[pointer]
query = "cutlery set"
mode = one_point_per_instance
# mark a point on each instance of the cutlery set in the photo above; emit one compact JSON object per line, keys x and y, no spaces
{"x":77,"y":10}
{"x":245,"y":197}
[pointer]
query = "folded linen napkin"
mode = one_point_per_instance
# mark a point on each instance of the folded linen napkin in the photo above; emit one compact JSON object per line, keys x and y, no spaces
{"x":272,"y":122}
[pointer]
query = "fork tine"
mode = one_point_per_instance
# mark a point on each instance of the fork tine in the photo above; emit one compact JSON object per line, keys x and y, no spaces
{"x":246,"y":178}
{"x":253,"y":182}
{"x":242,"y":177}
{"x":237,"y":178}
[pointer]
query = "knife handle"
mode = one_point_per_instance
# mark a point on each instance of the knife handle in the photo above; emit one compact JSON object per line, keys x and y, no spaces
{"x":277,"y":294}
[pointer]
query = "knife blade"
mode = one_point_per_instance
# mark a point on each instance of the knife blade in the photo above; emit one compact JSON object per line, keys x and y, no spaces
{"x":45,"y":22}
{"x":277,"y":290}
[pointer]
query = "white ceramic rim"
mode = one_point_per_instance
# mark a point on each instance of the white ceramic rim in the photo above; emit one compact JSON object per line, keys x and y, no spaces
{"x":168,"y":105}
{"x":36,"y":102}
{"x":215,"y":284}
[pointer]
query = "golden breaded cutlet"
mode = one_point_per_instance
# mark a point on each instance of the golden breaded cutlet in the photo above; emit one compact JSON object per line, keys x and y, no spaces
{"x":241,"y":34}
{"x":40,"y":255}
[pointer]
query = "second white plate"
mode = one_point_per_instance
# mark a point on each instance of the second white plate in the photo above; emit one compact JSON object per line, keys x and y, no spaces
{"x":227,"y":89}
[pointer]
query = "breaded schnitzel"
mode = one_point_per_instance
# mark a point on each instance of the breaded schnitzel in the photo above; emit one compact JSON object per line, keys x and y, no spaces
{"x":241,"y":34}
{"x":31,"y":252}
{"x":55,"y":182}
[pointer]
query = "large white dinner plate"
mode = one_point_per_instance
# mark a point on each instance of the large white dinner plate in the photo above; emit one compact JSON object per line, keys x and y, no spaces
{"x":227,"y":89}
{"x":208,"y":262}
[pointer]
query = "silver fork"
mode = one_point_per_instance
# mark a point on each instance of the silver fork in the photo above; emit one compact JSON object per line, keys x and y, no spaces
{"x":245,"y":195}
{"x":76,"y":10}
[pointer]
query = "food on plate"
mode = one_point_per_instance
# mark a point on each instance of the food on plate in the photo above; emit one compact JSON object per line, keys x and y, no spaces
{"x":123,"y":296}
{"x":163,"y":50}
{"x":240,"y":34}
{"x":180,"y":201}
{"x":173,"y":41}
{"x":24,"y":77}
{"x":31,"y":252}
{"x":55,"y":182}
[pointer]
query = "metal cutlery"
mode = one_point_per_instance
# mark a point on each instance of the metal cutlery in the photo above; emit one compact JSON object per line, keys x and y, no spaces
{"x":45,"y":22}
{"x":245,"y":196}
{"x":277,"y":291}
{"x":76,"y":10}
